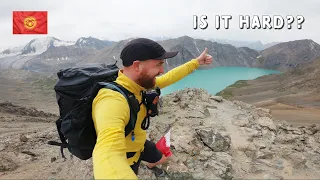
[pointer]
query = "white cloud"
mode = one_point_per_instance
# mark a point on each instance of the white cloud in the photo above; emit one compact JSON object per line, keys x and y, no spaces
{"x":119,"y":19}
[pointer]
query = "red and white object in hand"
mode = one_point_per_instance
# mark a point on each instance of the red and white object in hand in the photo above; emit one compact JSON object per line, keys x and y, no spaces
{"x":164,"y":144}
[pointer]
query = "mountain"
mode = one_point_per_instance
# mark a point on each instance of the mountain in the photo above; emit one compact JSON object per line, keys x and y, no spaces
{"x":110,"y":54}
{"x":92,"y":43}
{"x":282,"y":56}
{"x":270,"y":44}
{"x":35,"y":47}
{"x":38,"y":46}
{"x":49,"y":54}
{"x":232,"y":42}
{"x":306,"y":78}
{"x":223,"y":54}
{"x":59,"y":57}
{"x":159,"y":38}
{"x":288,"y":55}
{"x":256,"y":45}
{"x":11,"y":51}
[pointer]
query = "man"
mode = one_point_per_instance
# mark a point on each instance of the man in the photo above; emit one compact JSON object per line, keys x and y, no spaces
{"x":116,"y":156}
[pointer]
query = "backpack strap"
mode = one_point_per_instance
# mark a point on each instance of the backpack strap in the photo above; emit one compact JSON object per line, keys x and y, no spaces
{"x":63,"y":143}
{"x":133,"y":105}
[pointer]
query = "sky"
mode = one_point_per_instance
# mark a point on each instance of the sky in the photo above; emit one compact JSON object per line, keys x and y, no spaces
{"x":118,"y":19}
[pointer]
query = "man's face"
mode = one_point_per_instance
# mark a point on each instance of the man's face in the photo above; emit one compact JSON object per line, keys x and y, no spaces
{"x":149,"y":70}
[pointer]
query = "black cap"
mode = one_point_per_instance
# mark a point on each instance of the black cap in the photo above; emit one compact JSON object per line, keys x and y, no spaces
{"x":143,"y":49}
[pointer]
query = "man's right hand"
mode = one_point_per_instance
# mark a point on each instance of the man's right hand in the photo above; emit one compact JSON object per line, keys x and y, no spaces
{"x":204,"y":58}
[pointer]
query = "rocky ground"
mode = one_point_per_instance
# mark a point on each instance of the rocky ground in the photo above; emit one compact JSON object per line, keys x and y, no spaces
{"x":211,"y":138}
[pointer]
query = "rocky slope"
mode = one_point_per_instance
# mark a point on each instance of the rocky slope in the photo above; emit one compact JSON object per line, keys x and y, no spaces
{"x":28,"y":89}
{"x":304,"y":78}
{"x":211,"y":138}
{"x":288,"y":55}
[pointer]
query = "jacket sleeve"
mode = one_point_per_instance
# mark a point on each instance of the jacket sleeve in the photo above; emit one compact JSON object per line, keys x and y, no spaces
{"x":177,"y":73}
{"x":111,"y":114}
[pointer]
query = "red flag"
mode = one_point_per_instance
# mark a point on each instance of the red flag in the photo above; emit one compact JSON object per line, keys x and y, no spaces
{"x":164,"y":144}
{"x":30,"y":22}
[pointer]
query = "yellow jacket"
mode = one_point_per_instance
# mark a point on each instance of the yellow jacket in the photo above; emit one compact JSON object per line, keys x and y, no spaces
{"x":110,"y":113}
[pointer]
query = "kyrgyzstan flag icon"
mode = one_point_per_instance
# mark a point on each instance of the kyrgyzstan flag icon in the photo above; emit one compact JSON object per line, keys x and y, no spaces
{"x":30,"y":22}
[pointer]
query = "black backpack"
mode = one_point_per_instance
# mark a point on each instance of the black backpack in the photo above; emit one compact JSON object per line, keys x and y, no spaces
{"x":75,"y":91}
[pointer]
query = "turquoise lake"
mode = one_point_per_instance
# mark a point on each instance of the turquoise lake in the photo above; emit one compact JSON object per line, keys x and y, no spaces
{"x":216,"y":79}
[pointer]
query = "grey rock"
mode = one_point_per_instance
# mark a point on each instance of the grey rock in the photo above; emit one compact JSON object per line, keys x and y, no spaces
{"x":317,"y":137}
{"x":287,"y":127}
{"x":220,"y":169}
{"x":252,"y":132}
{"x":256,"y":169}
{"x":298,"y":132}
{"x":190,"y":93}
{"x":267,"y":122}
{"x":7,"y":164}
{"x":260,"y":145}
{"x":183,"y":105}
{"x":205,"y":97}
{"x":2,"y":147}
{"x":214,"y":141}
{"x":176,"y":98}
{"x":273,"y":177}
{"x":315,"y":160}
{"x":53,"y":159}
{"x":195,"y":114}
{"x":264,"y":155}
{"x":205,"y":155}
{"x":298,"y":146}
{"x":23,"y":138}
{"x":262,"y":112}
{"x":314,"y":128}
{"x":216,"y":98}
{"x":206,"y":112}
{"x":241,"y":120}
{"x":297,"y":159}
{"x":279,"y":164}
{"x":249,"y":150}
{"x":286,"y":139}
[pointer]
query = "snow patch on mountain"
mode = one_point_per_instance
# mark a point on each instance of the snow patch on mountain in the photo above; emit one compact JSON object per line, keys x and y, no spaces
{"x":35,"y":47}
{"x":63,"y":43}
{"x":38,"y":46}
{"x":11,"y":51}
{"x":194,"y":41}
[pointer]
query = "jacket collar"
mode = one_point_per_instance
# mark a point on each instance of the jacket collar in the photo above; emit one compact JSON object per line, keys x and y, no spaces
{"x":129,"y":84}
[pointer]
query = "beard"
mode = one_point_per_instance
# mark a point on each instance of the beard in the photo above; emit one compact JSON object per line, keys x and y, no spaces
{"x":146,"y":81}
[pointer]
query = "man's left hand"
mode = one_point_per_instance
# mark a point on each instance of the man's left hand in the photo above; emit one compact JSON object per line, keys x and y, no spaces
{"x":204,"y":58}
